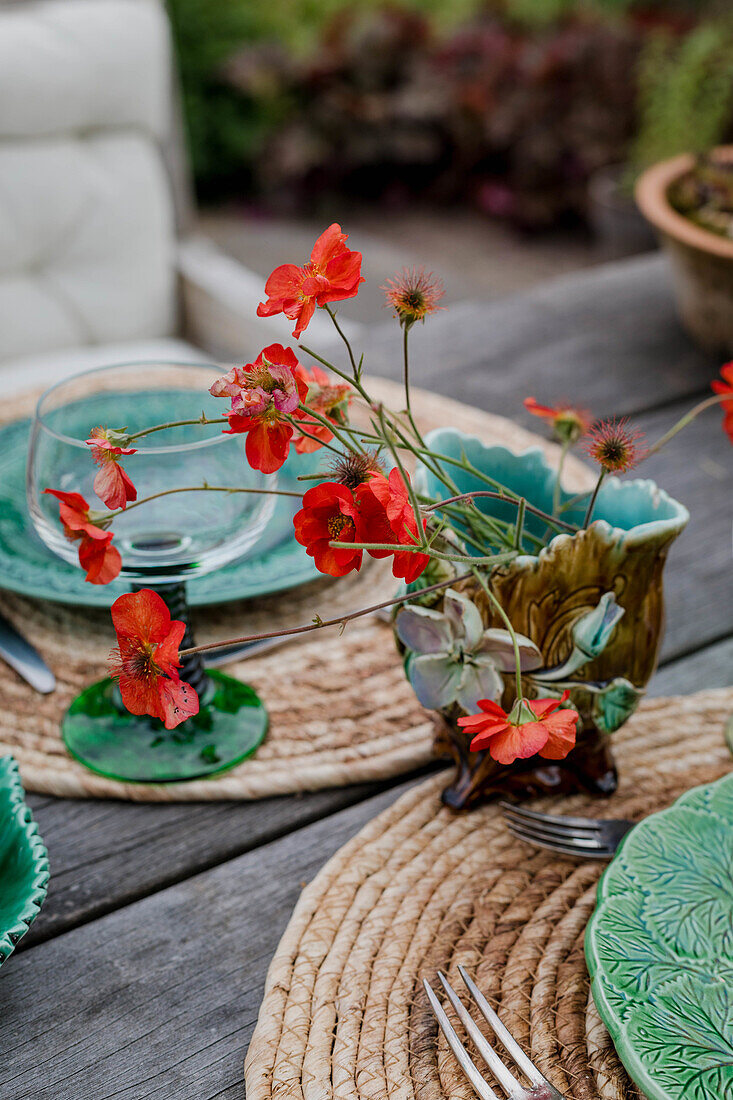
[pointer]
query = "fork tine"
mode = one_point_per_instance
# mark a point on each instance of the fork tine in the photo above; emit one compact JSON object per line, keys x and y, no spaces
{"x":512,"y":1087}
{"x":480,"y":1086}
{"x":549,"y":819}
{"x":589,"y":841}
{"x":502,"y":1033}
{"x":559,"y":825}
{"x":569,"y":848}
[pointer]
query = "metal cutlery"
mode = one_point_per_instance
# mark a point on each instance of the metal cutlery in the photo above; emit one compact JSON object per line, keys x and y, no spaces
{"x":539,"y":1088}
{"x":26,"y":661}
{"x":586,"y":837}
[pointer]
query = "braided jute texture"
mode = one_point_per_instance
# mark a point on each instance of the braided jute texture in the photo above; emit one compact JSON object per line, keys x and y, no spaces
{"x":419,"y":889}
{"x":340,"y":708}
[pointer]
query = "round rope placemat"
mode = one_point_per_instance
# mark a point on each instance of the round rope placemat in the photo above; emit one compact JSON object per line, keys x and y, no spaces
{"x":420,"y":889}
{"x":340,"y":708}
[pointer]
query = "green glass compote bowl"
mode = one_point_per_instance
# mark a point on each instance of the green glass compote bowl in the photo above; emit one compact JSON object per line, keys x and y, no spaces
{"x":162,"y":543}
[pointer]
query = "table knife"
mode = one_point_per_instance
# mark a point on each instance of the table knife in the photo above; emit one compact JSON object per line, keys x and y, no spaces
{"x":21,"y":656}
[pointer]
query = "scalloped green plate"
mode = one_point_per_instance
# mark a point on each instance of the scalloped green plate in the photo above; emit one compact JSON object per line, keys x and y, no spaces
{"x":659,"y":948}
{"x":276,"y":563}
{"x":23,"y":861}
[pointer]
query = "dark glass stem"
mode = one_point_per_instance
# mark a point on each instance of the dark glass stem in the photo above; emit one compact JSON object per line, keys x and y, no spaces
{"x":192,"y":667}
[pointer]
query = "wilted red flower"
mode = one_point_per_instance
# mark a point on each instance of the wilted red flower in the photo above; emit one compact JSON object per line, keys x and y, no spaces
{"x":552,"y":735}
{"x":324,"y":397}
{"x":413,"y":294}
{"x":615,"y":446}
{"x":333,"y":274}
{"x":568,"y":423}
{"x":263,"y":394}
{"x":97,"y":556}
{"x":387,"y":515}
{"x":146,"y":659}
{"x":329,"y":514}
{"x":112,"y":484}
{"x":726,"y":386}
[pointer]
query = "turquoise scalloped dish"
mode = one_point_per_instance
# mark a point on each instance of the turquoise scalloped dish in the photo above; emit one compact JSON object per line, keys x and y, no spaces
{"x":276,"y":563}
{"x":659,"y":948}
{"x":23,"y":861}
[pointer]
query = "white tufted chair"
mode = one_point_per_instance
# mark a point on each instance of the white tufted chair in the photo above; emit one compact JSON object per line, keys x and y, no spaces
{"x":94,"y":198}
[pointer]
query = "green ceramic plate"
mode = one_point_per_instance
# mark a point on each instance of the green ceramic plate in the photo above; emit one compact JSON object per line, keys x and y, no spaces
{"x":23,"y":861}
{"x":27,"y":566}
{"x":660,"y":948}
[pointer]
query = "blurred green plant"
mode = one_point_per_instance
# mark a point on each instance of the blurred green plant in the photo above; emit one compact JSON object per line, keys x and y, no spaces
{"x":685,"y":94}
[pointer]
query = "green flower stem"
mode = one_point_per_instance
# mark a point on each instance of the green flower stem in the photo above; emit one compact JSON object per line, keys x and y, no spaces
{"x":335,"y":429}
{"x":716,"y":399}
{"x":499,"y":496}
{"x":520,"y":526}
{"x":557,"y":491}
{"x":408,"y":483}
{"x":319,"y":623}
{"x":406,"y":360}
{"x":355,"y":382}
{"x":345,"y":339}
{"x":178,"y":424}
{"x":505,"y":619}
{"x":592,"y":504}
{"x":201,"y":489}
{"x":297,"y":424}
{"x":413,"y":548}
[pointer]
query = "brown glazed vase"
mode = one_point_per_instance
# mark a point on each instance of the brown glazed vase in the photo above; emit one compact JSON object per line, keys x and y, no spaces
{"x":555,"y":598}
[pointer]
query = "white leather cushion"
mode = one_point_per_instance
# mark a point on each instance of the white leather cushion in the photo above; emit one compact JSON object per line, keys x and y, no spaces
{"x":70,"y":65}
{"x":37,"y":371}
{"x":87,"y":248}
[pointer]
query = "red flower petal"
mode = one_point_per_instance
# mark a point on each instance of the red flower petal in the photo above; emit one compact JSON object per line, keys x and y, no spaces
{"x":562,"y":729}
{"x":178,"y":701}
{"x":518,"y":742}
{"x":100,"y":559}
{"x":142,"y":616}
{"x":267,"y":444}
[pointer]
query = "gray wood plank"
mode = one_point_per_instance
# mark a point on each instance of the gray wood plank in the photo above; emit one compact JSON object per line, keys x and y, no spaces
{"x":160,"y":998}
{"x":711,"y":667}
{"x":697,"y":469}
{"x":105,"y":854}
{"x":607,"y":339}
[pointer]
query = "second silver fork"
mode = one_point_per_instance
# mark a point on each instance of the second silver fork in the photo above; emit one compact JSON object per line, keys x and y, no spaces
{"x":539,"y":1087}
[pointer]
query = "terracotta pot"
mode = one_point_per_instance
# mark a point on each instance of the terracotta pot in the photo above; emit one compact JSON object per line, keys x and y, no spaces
{"x":561,"y":599}
{"x":702,"y":261}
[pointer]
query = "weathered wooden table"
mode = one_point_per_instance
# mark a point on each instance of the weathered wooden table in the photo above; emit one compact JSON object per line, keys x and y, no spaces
{"x":142,"y":976}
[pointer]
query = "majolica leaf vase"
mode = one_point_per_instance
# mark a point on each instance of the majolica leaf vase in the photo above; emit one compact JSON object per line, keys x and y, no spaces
{"x":589,"y":609}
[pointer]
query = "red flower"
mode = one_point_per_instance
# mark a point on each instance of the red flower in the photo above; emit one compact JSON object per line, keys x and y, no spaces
{"x":552,"y":735}
{"x":615,"y":446}
{"x":413,"y":295}
{"x":264,"y":394}
{"x":97,"y":556}
{"x":146,"y":659}
{"x":726,"y":387}
{"x":331,"y":401}
{"x":567,"y":422}
{"x":387,"y":515}
{"x":333,"y":274}
{"x":329,"y":514}
{"x":112,"y":484}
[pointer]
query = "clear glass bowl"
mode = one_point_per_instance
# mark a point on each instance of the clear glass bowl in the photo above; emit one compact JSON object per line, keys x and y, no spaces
{"x":176,"y":536}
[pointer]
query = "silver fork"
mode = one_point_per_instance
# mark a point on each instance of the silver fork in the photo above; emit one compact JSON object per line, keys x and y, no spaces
{"x":539,"y":1087}
{"x":587,"y":837}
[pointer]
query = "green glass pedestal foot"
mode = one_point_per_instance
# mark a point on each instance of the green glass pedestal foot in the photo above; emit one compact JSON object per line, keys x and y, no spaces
{"x":99,"y":733}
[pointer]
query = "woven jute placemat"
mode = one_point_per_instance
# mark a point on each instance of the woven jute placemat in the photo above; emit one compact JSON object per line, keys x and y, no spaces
{"x":420,"y":889}
{"x":340,"y":708}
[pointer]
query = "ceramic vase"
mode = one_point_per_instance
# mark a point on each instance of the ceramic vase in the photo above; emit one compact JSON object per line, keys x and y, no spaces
{"x":590,"y":605}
